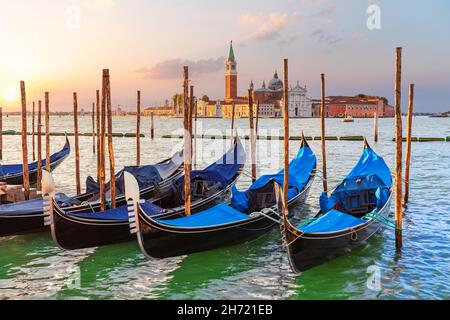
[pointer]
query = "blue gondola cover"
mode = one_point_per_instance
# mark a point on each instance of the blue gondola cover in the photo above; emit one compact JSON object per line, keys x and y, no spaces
{"x":300,"y":170}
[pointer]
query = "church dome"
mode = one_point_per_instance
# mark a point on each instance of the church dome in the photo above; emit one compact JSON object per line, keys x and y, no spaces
{"x":275,"y":83}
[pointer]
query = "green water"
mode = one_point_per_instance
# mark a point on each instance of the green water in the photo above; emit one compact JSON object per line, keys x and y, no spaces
{"x":32,"y":267}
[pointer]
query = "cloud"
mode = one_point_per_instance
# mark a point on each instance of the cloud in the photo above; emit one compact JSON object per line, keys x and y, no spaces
{"x":268,"y":26}
{"x":173,"y":69}
{"x":321,"y":36}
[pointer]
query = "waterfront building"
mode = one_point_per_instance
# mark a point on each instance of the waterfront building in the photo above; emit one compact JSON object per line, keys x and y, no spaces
{"x":164,"y":111}
{"x":300,"y":106}
{"x":359,"y":106}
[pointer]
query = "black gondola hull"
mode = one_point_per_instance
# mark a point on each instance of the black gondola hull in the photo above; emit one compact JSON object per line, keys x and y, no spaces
{"x":34,"y":223}
{"x":10,"y":226}
{"x":71,"y":233}
{"x":310,"y":249}
{"x":158,"y":243}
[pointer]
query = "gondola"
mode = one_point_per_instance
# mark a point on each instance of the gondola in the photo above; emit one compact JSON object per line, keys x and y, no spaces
{"x":350,"y":216}
{"x":28,"y":216}
{"x":249,"y":215}
{"x":71,"y":230}
{"x":12,"y":174}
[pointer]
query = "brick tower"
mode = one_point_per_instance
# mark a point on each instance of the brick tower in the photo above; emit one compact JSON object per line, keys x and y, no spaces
{"x":231,"y":76}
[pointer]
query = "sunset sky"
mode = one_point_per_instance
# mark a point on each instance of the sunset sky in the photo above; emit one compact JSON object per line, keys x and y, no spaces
{"x":62,"y":46}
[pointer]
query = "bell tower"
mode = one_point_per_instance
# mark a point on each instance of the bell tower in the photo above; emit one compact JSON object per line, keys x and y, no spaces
{"x":231,"y":76}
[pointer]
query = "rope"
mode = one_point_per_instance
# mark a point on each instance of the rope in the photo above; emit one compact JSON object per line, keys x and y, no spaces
{"x":267,"y":216}
{"x":382,"y":219}
{"x":87,"y":203}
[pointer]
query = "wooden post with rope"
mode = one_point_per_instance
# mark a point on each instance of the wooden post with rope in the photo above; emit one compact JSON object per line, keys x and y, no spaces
{"x":322,"y":123}
{"x":408,"y":140}
{"x":398,"y":150}
{"x":286,"y":135}
{"x":39,"y":147}
{"x":138,"y":129}
{"x":252,"y":133}
{"x":187,"y":145}
{"x":77,"y":146}
{"x":26,"y":177}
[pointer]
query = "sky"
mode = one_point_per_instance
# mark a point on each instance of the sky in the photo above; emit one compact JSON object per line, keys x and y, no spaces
{"x":62,"y":46}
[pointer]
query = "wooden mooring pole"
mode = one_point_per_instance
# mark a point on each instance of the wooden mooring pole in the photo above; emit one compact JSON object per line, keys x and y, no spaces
{"x":233,"y":111}
{"x":408,"y":140}
{"x":152,"y":126}
{"x":1,"y":133}
{"x":47,"y":132}
{"x":398,"y":150}
{"x":103,"y":145}
{"x":39,"y":147}
{"x":194,"y":145}
{"x":33,"y":132}
{"x":97,"y":105}
{"x":77,"y":146}
{"x":322,"y":123}
{"x":187,"y":145}
{"x":257,"y":119}
{"x":26,"y":178}
{"x":112,"y":177}
{"x":286,"y":135}
{"x":93,"y":128}
{"x":191,"y":112}
{"x":252,"y":133}
{"x":138,"y":129}
{"x":375,"y":127}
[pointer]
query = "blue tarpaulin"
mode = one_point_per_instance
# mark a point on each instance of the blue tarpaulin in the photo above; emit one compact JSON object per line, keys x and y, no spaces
{"x":366,"y":186}
{"x":371,"y":164}
{"x":145,"y":175}
{"x":220,"y":214}
{"x":10,"y":169}
{"x":333,"y":221}
{"x":300,"y":170}
{"x":223,"y":170}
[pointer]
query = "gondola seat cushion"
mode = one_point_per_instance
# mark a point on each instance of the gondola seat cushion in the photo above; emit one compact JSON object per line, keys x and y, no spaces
{"x":332,"y":221}
{"x":218,"y":215}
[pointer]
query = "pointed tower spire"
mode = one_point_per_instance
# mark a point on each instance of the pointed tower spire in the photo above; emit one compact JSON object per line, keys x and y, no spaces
{"x":231,"y":54}
{"x":276,"y":74}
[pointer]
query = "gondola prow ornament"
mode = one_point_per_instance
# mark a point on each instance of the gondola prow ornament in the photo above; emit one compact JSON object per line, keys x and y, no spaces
{"x":133,"y":198}
{"x":48,"y":192}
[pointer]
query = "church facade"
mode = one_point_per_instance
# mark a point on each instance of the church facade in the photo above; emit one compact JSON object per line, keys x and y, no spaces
{"x":267,"y":100}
